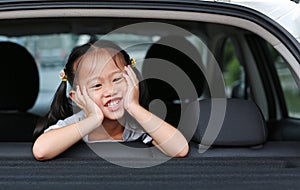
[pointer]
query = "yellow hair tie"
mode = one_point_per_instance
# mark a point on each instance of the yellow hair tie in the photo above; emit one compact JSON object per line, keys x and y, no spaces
{"x":133,"y":62}
{"x":63,"y":76}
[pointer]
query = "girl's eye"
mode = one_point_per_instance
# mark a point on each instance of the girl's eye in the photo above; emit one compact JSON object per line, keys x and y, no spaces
{"x":118,"y":79}
{"x":97,"y":86}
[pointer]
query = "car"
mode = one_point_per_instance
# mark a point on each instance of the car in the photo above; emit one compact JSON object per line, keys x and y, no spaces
{"x":224,"y":73}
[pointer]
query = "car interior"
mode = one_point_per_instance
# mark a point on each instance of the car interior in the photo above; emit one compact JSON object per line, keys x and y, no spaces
{"x":20,"y":82}
{"x":239,"y":54}
{"x":224,"y":73}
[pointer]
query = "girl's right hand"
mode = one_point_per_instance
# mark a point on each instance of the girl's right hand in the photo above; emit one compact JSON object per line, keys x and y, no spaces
{"x":90,"y":108}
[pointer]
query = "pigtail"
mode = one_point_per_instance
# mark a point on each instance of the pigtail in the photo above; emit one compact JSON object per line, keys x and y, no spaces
{"x":61,"y":108}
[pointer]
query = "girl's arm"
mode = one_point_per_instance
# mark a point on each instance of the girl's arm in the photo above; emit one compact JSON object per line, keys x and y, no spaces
{"x":56,"y":141}
{"x":165,"y":137}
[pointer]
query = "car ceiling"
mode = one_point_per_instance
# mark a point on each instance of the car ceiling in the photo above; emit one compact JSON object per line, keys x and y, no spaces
{"x":86,"y":25}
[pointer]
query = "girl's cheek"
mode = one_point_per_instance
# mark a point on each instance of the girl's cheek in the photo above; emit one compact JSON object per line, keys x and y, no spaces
{"x":97,"y":99}
{"x":122,"y":86}
{"x":94,"y":96}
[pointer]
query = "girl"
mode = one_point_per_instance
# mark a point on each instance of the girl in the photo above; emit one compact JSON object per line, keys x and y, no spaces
{"x":107,"y":90}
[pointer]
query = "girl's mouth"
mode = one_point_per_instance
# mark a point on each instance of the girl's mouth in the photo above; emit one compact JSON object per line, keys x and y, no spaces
{"x":113,"y":104}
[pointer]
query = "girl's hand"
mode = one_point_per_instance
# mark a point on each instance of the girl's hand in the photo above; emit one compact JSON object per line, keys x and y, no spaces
{"x":132,"y":95}
{"x":90,"y":108}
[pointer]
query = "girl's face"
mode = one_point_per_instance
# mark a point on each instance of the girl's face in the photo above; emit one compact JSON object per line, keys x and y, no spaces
{"x":104,"y":80}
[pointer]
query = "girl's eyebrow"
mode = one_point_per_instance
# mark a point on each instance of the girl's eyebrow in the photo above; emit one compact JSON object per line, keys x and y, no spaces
{"x":92,"y":79}
{"x":115,"y":72}
{"x":109,"y":75}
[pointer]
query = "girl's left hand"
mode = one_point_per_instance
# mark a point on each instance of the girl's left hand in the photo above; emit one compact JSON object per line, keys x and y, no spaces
{"x":131,"y":98}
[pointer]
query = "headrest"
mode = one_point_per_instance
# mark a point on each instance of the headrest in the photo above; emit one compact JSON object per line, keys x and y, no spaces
{"x":173,"y":49}
{"x":19,"y":78}
{"x":243,"y":124}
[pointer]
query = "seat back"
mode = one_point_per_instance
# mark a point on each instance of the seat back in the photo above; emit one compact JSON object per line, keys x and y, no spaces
{"x":20,"y":86}
{"x":243,"y":124}
{"x":172,"y":76}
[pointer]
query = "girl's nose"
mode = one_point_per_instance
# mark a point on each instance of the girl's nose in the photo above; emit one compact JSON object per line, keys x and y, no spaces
{"x":109,"y":90}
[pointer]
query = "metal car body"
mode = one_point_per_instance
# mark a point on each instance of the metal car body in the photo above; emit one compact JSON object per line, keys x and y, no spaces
{"x":243,"y":127}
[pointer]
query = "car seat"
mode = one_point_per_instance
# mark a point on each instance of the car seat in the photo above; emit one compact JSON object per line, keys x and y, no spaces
{"x":243,"y":124}
{"x":19,"y":90}
{"x":172,"y":73}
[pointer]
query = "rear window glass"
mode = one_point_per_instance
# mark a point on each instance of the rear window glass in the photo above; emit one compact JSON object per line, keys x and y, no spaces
{"x":51,"y":51}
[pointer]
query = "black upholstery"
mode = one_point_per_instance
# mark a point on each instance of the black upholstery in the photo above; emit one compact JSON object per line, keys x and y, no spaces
{"x":20,"y":86}
{"x":243,"y":124}
{"x":274,"y":167}
{"x":165,"y":68}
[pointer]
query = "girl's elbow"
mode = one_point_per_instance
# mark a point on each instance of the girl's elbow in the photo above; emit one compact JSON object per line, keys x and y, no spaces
{"x":183,"y":153}
{"x":40,"y":153}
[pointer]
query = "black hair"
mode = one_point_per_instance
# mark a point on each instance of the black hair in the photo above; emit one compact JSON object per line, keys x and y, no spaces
{"x":61,"y":106}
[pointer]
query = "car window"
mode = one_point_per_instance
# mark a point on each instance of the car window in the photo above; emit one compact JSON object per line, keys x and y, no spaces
{"x":51,"y":52}
{"x":288,"y":84}
{"x":233,"y":72}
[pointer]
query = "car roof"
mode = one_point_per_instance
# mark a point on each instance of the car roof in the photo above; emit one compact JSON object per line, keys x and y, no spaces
{"x":118,"y":13}
{"x":286,"y":13}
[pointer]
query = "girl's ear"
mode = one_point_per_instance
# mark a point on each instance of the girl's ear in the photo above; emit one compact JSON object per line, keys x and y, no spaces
{"x":72,"y":95}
